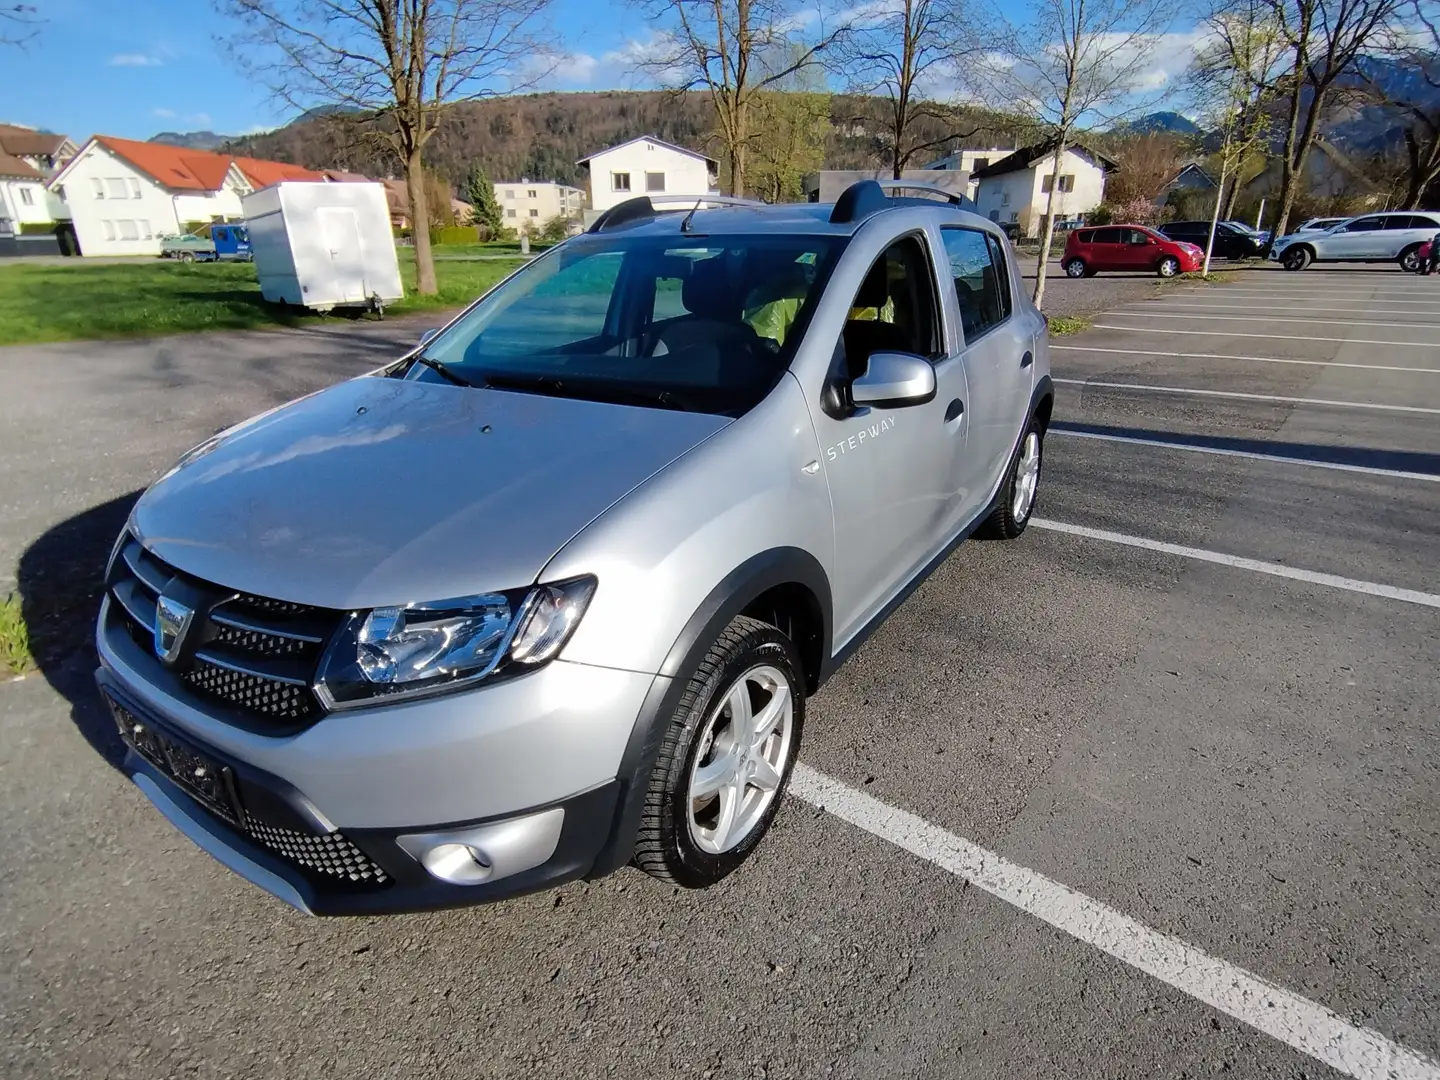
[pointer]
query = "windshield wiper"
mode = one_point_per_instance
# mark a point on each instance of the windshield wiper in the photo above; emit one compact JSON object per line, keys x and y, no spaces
{"x":442,"y":369}
{"x":593,"y":391}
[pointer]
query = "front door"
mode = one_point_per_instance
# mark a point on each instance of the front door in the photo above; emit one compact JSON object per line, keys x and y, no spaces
{"x":1361,"y":239}
{"x":892,"y":473}
{"x":341,"y":234}
{"x":999,"y":363}
{"x":1140,"y":250}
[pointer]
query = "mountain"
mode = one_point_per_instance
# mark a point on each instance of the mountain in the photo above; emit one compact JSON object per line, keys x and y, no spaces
{"x":543,"y":136}
{"x":193,"y":140}
{"x":1171,"y":122}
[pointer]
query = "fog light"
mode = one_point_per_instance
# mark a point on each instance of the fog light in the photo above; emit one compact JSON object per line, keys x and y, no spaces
{"x":458,"y":863}
{"x":488,"y":852}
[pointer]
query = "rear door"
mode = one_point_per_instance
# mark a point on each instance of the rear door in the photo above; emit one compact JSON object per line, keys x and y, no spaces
{"x":1108,"y":249}
{"x":999,"y":360}
{"x":340,"y":232}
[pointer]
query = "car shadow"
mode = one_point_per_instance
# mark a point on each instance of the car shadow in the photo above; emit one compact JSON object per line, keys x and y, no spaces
{"x":1320,"y":453}
{"x":61,"y":580}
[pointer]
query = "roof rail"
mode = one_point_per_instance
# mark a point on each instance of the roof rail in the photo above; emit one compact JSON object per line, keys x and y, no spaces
{"x":649,"y":206}
{"x":866,"y":197}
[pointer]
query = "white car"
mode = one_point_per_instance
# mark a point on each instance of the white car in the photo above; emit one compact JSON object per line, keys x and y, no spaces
{"x":1386,"y":237}
{"x":1320,"y":224}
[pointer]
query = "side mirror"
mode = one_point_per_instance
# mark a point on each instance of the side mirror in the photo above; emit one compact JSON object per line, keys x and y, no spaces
{"x":894,"y":380}
{"x":427,"y":335}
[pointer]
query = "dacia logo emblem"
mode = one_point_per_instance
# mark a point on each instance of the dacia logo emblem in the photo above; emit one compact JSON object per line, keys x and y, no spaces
{"x":172,"y":623}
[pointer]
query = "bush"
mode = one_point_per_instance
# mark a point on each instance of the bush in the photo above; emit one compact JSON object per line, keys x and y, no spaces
{"x":1131,"y":212}
{"x":455,"y":234}
{"x":39,"y":228}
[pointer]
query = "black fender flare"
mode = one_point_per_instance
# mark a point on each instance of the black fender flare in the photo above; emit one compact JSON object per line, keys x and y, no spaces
{"x":735,"y":592}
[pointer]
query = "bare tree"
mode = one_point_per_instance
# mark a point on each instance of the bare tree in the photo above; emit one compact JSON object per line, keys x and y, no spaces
{"x":18,"y":23}
{"x":1322,"y":40}
{"x":735,"y":50}
{"x":1072,"y":62}
{"x":1145,"y":163}
{"x":399,"y":62}
{"x":902,"y":51}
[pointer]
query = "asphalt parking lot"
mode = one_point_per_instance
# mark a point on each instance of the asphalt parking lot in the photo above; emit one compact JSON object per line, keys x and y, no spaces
{"x":1152,"y":792}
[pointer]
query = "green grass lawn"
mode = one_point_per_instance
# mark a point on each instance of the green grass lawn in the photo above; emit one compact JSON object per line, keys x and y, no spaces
{"x":77,"y":301}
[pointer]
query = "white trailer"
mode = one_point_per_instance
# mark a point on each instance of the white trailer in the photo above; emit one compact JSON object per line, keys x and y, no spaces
{"x":324,"y":245}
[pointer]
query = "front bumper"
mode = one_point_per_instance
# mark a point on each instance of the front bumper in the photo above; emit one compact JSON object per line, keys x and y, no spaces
{"x":352,"y":785}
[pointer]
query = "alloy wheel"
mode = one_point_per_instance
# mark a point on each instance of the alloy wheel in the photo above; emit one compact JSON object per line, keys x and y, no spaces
{"x":1027,"y":477}
{"x":744,"y":749}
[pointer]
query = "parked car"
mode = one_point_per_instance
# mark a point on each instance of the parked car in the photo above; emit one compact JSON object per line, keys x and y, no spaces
{"x":1230,"y":242}
{"x":1128,"y":247}
{"x":216,"y":243}
{"x":1320,"y":224}
{"x":547,"y":595}
{"x":1395,"y":236}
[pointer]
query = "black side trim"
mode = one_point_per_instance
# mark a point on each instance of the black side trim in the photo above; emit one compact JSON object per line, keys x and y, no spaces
{"x":740,"y":588}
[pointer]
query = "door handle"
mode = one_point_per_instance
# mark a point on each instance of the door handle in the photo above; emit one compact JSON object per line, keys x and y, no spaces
{"x":1027,"y":359}
{"x":954,"y":409}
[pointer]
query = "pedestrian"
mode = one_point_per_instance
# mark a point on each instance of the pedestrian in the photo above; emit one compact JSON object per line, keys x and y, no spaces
{"x":1433,"y":260}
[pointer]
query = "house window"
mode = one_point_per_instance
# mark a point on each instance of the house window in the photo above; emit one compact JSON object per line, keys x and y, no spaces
{"x":510,"y":213}
{"x":134,"y":188}
{"x":26,"y":197}
{"x":116,"y":188}
{"x":109,"y":227}
{"x":128,"y":230}
{"x":530,"y":194}
{"x":509,"y":193}
{"x":654,"y":181}
{"x":619,"y":181}
{"x":534,"y":212}
{"x":99,"y":186}
{"x":145,"y":232}
{"x":1014,"y":216}
{"x":980,"y":163}
{"x":1004,"y":198}
{"x":1067,"y":183}
{"x":995,"y":215}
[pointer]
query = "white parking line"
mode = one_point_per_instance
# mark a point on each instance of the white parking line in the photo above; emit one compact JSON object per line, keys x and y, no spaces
{"x":1317,"y":308}
{"x":1252,"y":455}
{"x":1308,"y":298}
{"x":1246,"y":397}
{"x":1298,"y":1022}
{"x":1261,"y":318}
{"x":1267,"y":337}
{"x":1257,"y":359}
{"x":1333,"y":581}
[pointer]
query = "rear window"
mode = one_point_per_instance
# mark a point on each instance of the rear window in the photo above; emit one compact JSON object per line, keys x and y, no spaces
{"x":1085,"y":236}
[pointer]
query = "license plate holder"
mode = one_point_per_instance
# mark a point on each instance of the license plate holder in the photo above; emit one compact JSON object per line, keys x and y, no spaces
{"x":200,"y":776}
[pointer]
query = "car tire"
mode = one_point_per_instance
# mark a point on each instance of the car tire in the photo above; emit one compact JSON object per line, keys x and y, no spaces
{"x":1409,"y":259}
{"x":1076,"y":268}
{"x":186,"y":256}
{"x":708,"y":772}
{"x":1021,"y":489}
{"x":1169,"y":266}
{"x":1297,"y":258}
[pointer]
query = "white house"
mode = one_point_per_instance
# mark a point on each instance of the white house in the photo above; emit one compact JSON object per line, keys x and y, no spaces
{"x":528,"y":205}
{"x":1016,"y":189}
{"x":970,"y":161}
{"x":27,"y":159}
{"x":647,"y":166}
{"x":125,"y":195}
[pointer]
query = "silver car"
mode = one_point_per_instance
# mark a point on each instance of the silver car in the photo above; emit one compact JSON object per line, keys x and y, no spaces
{"x":1389,"y":237}
{"x":547,"y":596}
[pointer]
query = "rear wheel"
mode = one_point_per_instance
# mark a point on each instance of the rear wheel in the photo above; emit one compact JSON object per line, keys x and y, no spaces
{"x":1169,"y":266}
{"x":1076,"y":268}
{"x":1410,"y":259}
{"x":1018,"y":493}
{"x":186,"y":256}
{"x":725,"y":758}
{"x":1297,"y":258}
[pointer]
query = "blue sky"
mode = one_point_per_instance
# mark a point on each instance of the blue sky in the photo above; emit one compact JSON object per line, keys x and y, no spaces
{"x":132,"y":68}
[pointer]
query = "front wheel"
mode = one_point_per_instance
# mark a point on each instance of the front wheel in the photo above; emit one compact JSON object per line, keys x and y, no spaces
{"x":1075,"y":268}
{"x":1410,"y":260}
{"x":1018,"y":492}
{"x":186,"y":257}
{"x":1169,"y":266}
{"x":725,"y":758}
{"x":1296,"y":259}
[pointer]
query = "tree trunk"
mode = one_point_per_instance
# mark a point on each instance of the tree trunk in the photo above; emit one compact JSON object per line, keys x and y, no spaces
{"x":1049,"y":230}
{"x":420,"y":224}
{"x":1229,"y":211}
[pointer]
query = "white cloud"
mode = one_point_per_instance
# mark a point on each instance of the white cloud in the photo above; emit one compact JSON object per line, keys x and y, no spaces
{"x":165,"y":114}
{"x":201,"y":118}
{"x":135,"y":60}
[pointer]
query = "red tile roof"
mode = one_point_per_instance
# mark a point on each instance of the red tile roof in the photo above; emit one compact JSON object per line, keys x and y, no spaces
{"x":199,"y":170}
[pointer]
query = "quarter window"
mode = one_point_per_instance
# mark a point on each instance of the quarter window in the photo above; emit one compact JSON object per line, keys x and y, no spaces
{"x":982,"y":285}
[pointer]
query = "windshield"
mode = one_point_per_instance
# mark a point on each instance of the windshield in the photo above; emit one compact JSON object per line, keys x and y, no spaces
{"x":706,"y":324}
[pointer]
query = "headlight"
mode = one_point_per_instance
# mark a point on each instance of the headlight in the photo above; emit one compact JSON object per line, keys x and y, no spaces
{"x":432,"y":647}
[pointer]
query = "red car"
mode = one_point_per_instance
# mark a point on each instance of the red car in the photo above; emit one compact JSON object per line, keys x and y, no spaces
{"x":1128,"y":247}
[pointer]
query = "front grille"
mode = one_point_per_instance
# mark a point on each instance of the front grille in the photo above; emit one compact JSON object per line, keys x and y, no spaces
{"x":256,"y":655}
{"x":327,"y":857}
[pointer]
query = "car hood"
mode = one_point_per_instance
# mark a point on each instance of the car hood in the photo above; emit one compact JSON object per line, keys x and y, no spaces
{"x":384,"y":491}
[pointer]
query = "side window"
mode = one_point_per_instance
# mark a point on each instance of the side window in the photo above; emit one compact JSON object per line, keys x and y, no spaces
{"x":1109,"y":236}
{"x":1135,"y":236}
{"x":1369,"y":224}
{"x":1084,"y":236}
{"x":981,"y":284}
{"x":894,"y":308}
{"x":1424,"y":223}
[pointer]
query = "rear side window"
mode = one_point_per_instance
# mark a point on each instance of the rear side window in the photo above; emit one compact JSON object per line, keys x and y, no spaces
{"x":1424,"y":223}
{"x":982,"y":285}
{"x":1085,"y":236}
{"x":1402,"y":221}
